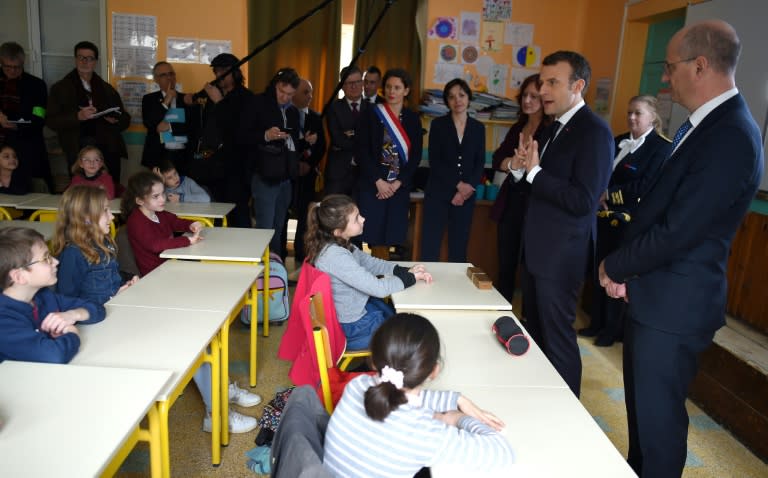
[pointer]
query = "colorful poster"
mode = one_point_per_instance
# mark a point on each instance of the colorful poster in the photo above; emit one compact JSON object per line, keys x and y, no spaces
{"x":518,"y":34}
{"x":497,"y":10}
{"x":449,"y":53}
{"x":497,"y":80}
{"x":469,"y":54}
{"x":469,"y":28}
{"x":527,"y":56}
{"x":444,"y":28}
{"x":492,"y":36}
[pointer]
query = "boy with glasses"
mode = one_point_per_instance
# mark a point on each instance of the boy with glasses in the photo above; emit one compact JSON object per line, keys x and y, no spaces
{"x":36,"y":325}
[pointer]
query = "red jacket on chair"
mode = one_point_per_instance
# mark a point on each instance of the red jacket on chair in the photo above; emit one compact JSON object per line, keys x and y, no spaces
{"x":298,"y":344}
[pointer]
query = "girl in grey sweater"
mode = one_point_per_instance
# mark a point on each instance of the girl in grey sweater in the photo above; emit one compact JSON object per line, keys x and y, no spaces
{"x":358,"y":280}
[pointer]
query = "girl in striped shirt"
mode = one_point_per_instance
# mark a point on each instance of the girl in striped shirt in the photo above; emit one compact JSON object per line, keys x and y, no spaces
{"x":387,"y":425}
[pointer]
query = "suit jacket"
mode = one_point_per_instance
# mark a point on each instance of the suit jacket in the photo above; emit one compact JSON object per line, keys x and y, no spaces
{"x":675,"y":251}
{"x":636,"y":171}
{"x":312,"y":154}
{"x":152,"y":113}
{"x":451,"y":161}
{"x":339,"y":119}
{"x":560,"y":225}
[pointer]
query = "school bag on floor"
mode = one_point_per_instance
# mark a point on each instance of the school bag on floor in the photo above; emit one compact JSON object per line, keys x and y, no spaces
{"x":278,"y":294}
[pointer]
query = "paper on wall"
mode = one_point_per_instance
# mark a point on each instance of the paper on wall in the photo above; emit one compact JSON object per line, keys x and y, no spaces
{"x":497,"y":80}
{"x":518,"y":75}
{"x":134,"y":45}
{"x":132,"y":92}
{"x":445,"y":72}
{"x":183,"y":50}
{"x":469,"y":27}
{"x":518,"y":34}
{"x":492,"y":36}
{"x":483,"y":65}
{"x":497,"y":10}
{"x":209,"y":49}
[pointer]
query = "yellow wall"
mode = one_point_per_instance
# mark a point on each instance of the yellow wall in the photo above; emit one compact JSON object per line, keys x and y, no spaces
{"x":193,"y":19}
{"x":591,"y":27}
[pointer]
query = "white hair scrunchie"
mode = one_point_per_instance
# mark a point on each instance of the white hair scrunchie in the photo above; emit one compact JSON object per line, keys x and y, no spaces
{"x":393,"y":376}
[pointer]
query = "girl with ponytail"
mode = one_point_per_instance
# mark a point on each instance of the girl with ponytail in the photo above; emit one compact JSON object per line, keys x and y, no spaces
{"x":388,"y":425}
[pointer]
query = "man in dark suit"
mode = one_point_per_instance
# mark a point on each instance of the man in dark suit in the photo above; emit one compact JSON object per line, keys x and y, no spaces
{"x":560,"y":225}
{"x":671,"y":265}
{"x":155,"y":108}
{"x":343,"y":116}
{"x":311,"y":150}
{"x":371,"y":85}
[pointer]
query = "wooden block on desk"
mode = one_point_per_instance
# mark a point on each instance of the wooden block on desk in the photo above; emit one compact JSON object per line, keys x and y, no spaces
{"x":471,"y":271}
{"x":482,"y":281}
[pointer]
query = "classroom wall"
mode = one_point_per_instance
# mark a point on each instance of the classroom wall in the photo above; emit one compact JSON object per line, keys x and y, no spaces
{"x":591,"y":27}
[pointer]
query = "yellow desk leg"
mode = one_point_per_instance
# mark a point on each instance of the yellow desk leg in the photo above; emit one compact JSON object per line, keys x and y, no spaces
{"x":266,"y":292}
{"x":254,"y":304}
{"x":155,"y":453}
{"x":224,"y":381}
{"x":224,"y":221}
{"x":165,"y":451}
{"x":216,"y":401}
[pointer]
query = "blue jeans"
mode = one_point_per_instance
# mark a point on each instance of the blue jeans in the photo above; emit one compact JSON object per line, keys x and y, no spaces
{"x":202,"y":379}
{"x":270,"y":208}
{"x":359,"y":332}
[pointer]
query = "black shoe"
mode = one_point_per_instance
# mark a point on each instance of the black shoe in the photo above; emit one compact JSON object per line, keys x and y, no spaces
{"x":603,"y":341}
{"x":588,"y":332}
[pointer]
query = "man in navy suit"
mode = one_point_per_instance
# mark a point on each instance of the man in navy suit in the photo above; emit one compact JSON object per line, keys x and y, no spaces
{"x":567,"y":178}
{"x":671,"y":265}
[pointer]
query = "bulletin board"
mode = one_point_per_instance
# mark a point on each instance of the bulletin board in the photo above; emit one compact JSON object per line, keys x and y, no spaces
{"x":481,"y":42}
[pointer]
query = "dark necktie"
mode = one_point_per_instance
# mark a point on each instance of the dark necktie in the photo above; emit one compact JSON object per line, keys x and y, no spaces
{"x":550,"y":135}
{"x":355,"y":111}
{"x":681,"y":134}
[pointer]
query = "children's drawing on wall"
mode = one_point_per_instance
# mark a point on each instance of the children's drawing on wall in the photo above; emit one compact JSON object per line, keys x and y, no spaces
{"x":518,"y":34}
{"x":483,"y":65}
{"x":517,"y":75}
{"x":603,"y":88}
{"x":469,"y":55}
{"x":528,"y":56}
{"x":443,"y":27}
{"x":470,"y":28}
{"x":497,"y":10}
{"x":497,"y":80}
{"x":492,"y":37}
{"x":448,"y":53}
{"x":445,"y":72}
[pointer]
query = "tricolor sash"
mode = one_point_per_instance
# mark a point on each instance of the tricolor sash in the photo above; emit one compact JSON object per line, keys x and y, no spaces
{"x":395,"y":129}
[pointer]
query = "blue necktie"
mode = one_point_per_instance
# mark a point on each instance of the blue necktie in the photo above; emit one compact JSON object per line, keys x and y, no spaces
{"x":681,"y":133}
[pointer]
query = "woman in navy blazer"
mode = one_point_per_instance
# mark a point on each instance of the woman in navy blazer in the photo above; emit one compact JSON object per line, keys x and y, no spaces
{"x":640,"y":154}
{"x":385,"y":187}
{"x":456,"y":161}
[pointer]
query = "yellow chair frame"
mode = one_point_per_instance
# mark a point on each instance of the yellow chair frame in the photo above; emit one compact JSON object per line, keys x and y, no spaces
{"x":5,"y":215}
{"x":206,"y":221}
{"x":42,"y":215}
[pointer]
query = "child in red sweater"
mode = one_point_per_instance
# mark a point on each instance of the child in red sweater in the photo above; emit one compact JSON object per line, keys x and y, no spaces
{"x":150,"y":228}
{"x":90,"y":170}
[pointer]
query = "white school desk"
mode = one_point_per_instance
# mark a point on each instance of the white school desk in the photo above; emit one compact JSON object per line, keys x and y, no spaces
{"x":235,"y":245}
{"x":551,"y":434}
{"x":160,"y":339}
{"x":71,"y":421}
{"x":41,"y":202}
{"x":13,"y":200}
{"x":472,"y":356}
{"x":44,"y":228}
{"x":195,"y":210}
{"x":450,"y":289}
{"x":196,"y":286}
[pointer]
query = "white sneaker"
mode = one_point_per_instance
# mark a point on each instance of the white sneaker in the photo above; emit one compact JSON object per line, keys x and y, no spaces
{"x":241,"y":397}
{"x":238,"y":423}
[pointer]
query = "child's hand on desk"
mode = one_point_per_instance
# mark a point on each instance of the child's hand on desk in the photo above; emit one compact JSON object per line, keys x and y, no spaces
{"x":69,"y":329}
{"x":173,"y":197}
{"x":425,"y":276}
{"x":129,"y":283}
{"x":450,"y":418}
{"x":195,"y":238}
{"x":56,"y":323}
{"x":467,"y":406}
{"x":196,"y":227}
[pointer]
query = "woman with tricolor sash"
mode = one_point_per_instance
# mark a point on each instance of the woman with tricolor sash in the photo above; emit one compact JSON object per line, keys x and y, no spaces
{"x":388,"y":151}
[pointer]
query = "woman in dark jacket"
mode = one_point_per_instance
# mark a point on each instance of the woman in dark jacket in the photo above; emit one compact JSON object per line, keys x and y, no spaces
{"x":388,"y":151}
{"x":511,"y":203}
{"x":640,"y":154}
{"x":456,"y":161}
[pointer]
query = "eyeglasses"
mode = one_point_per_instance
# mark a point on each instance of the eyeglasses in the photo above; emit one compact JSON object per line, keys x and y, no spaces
{"x":353,"y":83}
{"x":12,"y":67}
{"x":85,"y":59}
{"x":668,"y":65}
{"x":47,"y":258}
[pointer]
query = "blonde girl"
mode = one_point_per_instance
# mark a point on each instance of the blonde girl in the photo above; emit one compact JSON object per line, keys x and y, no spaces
{"x":90,"y":170}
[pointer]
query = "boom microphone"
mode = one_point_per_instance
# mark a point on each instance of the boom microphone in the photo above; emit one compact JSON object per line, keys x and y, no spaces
{"x":510,"y":335}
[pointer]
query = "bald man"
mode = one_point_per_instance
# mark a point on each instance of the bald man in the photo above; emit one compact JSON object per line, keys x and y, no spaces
{"x":671,"y":265}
